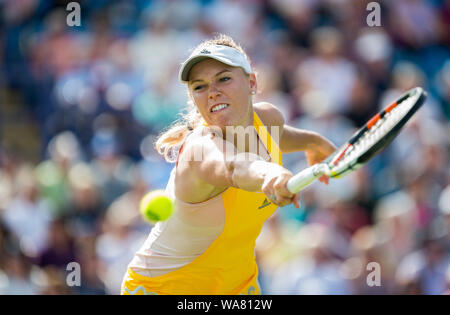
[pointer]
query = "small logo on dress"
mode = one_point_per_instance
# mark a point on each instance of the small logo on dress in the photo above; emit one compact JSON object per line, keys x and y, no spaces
{"x":265,"y":203}
{"x":205,"y":51}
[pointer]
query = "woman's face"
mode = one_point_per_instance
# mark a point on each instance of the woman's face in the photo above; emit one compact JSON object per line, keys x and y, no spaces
{"x":222,"y":93}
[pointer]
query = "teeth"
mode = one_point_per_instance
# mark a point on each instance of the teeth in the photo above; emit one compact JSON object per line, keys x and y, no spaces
{"x":218,"y":107}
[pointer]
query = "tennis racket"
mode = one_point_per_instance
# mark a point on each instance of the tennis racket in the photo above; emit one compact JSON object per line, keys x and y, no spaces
{"x":375,"y":135}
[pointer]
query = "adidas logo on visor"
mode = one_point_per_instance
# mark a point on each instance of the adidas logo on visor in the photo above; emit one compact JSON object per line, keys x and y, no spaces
{"x":227,"y":55}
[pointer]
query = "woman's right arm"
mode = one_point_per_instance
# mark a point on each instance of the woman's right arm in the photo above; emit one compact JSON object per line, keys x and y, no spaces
{"x":209,"y":162}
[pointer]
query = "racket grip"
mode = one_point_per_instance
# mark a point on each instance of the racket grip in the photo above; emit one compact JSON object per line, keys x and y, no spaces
{"x":305,"y":177}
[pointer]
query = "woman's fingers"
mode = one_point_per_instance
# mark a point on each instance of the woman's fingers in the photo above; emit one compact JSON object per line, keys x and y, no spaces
{"x":324,"y":179}
{"x":296,"y":200}
{"x":280,"y":186}
{"x":276,"y":190}
{"x":282,"y":200}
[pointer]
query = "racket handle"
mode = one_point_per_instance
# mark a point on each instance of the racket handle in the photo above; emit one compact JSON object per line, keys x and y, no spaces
{"x":306,"y":177}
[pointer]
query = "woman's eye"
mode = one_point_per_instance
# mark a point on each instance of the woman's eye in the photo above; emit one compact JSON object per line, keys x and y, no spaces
{"x":198,"y":87}
{"x":224,"y":79}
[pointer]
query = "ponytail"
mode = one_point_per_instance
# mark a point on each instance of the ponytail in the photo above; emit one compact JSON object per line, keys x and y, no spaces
{"x":169,"y":141}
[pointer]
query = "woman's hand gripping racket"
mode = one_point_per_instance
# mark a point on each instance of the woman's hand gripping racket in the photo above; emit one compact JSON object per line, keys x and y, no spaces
{"x":376,"y":134}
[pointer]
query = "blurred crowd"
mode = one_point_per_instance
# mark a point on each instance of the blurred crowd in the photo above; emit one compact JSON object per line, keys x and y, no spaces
{"x":81,"y":107}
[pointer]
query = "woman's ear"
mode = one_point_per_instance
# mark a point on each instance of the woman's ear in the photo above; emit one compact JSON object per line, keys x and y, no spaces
{"x":253,"y":83}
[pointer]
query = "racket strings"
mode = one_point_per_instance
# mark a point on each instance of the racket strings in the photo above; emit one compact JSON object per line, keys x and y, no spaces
{"x":375,"y":133}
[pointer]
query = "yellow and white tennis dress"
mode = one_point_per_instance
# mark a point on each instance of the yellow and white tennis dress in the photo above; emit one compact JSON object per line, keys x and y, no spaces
{"x":186,"y":256}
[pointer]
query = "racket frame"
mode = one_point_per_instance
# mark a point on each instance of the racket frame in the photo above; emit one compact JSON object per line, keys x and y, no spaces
{"x":327,"y":167}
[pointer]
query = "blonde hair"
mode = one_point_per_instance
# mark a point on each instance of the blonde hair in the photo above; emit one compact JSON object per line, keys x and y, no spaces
{"x":169,"y":141}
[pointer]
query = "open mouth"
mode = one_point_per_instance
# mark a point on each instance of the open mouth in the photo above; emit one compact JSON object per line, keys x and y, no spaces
{"x":218,"y":107}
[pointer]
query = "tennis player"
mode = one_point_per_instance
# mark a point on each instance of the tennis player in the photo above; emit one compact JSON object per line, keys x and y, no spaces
{"x":223,"y":198}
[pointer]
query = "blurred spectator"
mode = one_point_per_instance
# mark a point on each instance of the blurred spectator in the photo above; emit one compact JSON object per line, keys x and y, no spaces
{"x":437,"y":263}
{"x":55,"y":47}
{"x":298,"y":17}
{"x":270,"y":90}
{"x":16,"y":277}
{"x":52,"y":174}
{"x":444,"y":21}
{"x":374,"y":49}
{"x":5,"y":188}
{"x":334,"y":75}
{"x":367,"y":243}
{"x":159,"y":38}
{"x":362,"y":103}
{"x":314,"y":271}
{"x":443,"y":87}
{"x":444,"y":218}
{"x":85,"y":208}
{"x":117,"y":244}
{"x":91,"y":283}
{"x":233,"y":17}
{"x":396,"y":219}
{"x":284,"y":56}
{"x":424,"y":271}
{"x":413,"y":22}
{"x":53,"y":282}
{"x":60,"y":250}
{"x":27,"y":215}
{"x":110,"y":168}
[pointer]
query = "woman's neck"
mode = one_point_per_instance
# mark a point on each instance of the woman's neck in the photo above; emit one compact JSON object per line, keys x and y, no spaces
{"x":243,"y":135}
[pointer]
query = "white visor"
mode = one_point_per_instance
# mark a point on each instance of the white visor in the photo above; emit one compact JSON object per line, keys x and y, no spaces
{"x":227,"y":55}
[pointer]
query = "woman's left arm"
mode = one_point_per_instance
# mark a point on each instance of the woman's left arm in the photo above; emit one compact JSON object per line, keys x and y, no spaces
{"x":316,"y":147}
{"x":314,"y":144}
{"x":292,"y":139}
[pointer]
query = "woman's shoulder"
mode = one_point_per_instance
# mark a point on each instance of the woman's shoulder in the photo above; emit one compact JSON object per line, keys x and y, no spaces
{"x":200,"y":136}
{"x":189,"y":186}
{"x":269,"y":114}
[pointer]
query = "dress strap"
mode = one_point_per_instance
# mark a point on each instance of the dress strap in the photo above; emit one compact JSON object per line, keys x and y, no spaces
{"x":266,"y":138}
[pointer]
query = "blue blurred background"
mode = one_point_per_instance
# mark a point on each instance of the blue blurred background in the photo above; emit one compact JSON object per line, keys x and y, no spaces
{"x":81,"y":106}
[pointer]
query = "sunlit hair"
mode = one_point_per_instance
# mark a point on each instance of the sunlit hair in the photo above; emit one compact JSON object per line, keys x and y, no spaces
{"x":170,"y":140}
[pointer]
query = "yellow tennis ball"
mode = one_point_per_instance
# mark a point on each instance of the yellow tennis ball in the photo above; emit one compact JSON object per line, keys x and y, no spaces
{"x":156,"y":206}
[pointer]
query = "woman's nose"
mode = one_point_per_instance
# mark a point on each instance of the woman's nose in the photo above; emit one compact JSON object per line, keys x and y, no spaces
{"x":213,"y":91}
